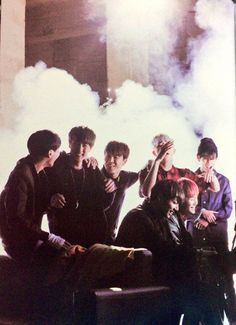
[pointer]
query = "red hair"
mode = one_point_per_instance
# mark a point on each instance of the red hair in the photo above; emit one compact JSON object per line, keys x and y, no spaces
{"x":188,"y":187}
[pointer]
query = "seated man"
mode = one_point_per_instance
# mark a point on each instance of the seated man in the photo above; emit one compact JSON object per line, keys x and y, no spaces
{"x":162,"y":168}
{"x":116,"y":155}
{"x":24,"y":200}
{"x":157,"y":226}
{"x":79,"y":193}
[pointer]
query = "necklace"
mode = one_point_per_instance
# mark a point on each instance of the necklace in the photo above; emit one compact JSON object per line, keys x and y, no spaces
{"x":78,"y":184}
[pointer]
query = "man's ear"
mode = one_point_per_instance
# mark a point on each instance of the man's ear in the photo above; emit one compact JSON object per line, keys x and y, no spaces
{"x":154,"y":152}
{"x":125,"y":161}
{"x":198,"y":157}
{"x":50,"y":153}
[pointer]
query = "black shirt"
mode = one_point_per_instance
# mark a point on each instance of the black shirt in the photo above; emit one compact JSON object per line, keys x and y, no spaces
{"x":123,"y":182}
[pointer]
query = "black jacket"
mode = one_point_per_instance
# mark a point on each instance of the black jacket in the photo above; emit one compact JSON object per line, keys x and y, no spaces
{"x":82,"y":220}
{"x":146,"y":228}
{"x":22,"y":205}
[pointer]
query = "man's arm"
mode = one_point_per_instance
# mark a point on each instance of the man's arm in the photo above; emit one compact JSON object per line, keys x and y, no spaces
{"x":226,"y":207}
{"x":150,"y":180}
{"x":222,"y":205}
{"x":16,"y":203}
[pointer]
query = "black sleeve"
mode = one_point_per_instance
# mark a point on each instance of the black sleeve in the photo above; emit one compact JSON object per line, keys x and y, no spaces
{"x":106,"y":199}
{"x":132,"y":178}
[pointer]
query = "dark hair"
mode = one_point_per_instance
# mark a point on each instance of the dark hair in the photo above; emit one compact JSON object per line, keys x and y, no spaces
{"x":40,"y":142}
{"x":166,"y":190}
{"x":83,"y":134}
{"x":207,"y":147}
{"x":117,"y":149}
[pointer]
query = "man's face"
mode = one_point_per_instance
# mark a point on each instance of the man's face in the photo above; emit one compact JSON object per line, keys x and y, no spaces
{"x":113,"y":163}
{"x":190,"y":204}
{"x":171,"y":207}
{"x":78,"y":149}
{"x":168,"y":153}
{"x":207,"y":162}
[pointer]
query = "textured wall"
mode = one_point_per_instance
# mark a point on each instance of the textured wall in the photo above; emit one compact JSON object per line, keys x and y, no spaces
{"x":12,"y":54}
{"x":59,"y":33}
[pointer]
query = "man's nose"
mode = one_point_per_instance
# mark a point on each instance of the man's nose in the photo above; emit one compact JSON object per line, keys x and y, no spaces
{"x":81,"y":147}
{"x":177,"y":207}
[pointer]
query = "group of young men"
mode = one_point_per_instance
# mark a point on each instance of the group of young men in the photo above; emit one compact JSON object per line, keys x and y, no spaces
{"x":83,"y":203}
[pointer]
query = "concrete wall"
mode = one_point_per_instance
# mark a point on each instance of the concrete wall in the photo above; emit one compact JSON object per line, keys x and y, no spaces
{"x":59,"y":33}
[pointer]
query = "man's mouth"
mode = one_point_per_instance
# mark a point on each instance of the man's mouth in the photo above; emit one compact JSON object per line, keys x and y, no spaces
{"x":111,"y":166}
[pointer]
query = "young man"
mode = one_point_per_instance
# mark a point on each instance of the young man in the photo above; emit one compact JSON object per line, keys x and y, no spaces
{"x":156,"y":225}
{"x":216,"y":208}
{"x":80,"y":194}
{"x":24,"y":200}
{"x":162,"y":168}
{"x":115,"y":156}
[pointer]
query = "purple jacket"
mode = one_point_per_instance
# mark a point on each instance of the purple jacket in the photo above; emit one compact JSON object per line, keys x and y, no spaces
{"x":215,"y":234}
{"x":218,"y":201}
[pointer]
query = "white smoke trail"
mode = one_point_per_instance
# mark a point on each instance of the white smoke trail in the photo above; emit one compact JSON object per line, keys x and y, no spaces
{"x":208,"y":92}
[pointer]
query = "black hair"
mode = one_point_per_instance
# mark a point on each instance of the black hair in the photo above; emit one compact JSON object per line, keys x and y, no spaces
{"x":207,"y":147}
{"x":166,"y":190}
{"x":117,"y":149}
{"x":40,"y":142}
{"x":83,"y":135}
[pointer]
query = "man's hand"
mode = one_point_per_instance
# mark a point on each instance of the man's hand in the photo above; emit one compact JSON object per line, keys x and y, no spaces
{"x":207,"y":175}
{"x":110,"y":185}
{"x":57,"y":201}
{"x":76,"y":249}
{"x":91,"y":161}
{"x":209,"y":215}
{"x":162,"y":150}
{"x":201,"y":224}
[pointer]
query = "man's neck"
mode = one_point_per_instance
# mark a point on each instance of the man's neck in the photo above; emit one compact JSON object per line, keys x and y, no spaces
{"x":114,"y":174}
{"x":39,"y":166}
{"x":76,"y":162}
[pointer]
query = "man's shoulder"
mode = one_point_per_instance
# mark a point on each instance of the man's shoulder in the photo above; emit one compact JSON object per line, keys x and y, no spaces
{"x":221,"y":177}
{"x":62,"y":159}
{"x":23,"y":167}
{"x":183,"y":172}
{"x":137,"y":214}
{"x":22,"y":173}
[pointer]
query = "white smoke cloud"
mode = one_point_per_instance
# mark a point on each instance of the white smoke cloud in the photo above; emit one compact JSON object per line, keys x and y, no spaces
{"x":155,"y":25}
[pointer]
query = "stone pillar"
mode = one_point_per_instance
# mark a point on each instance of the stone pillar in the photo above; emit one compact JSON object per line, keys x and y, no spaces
{"x":12,"y":55}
